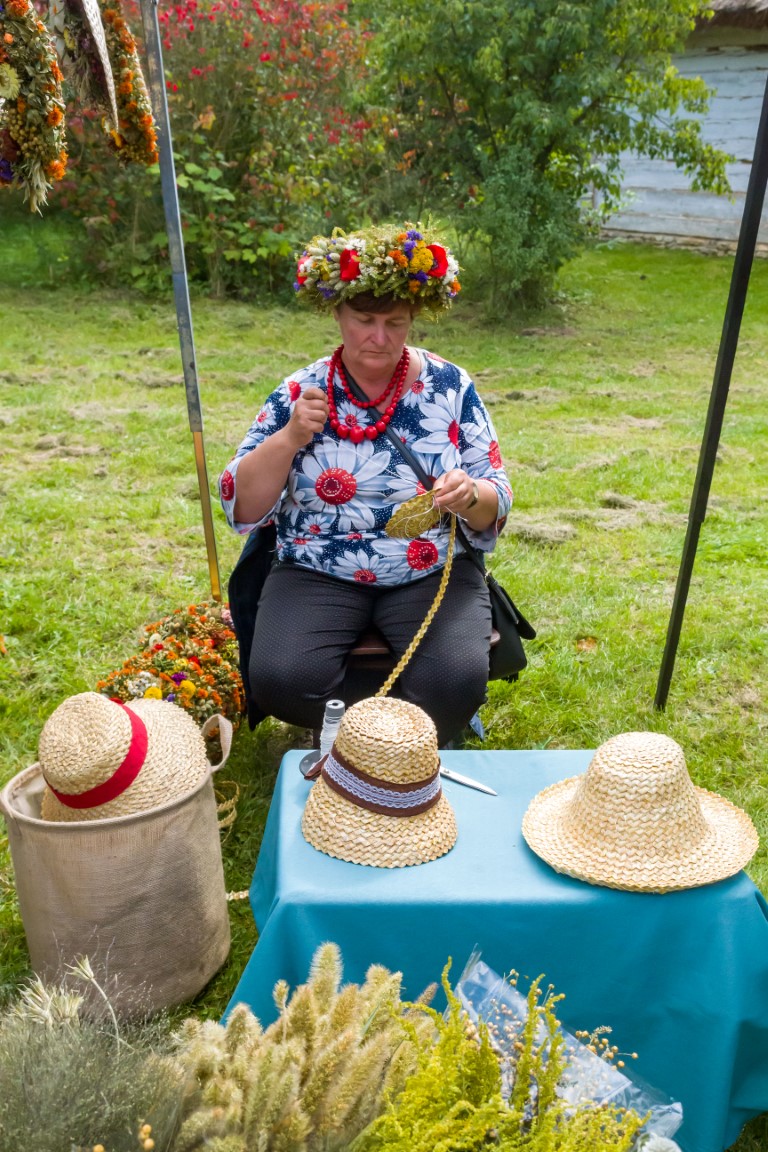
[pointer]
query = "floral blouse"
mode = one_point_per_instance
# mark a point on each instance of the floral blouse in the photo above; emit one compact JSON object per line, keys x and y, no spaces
{"x":340,"y":495}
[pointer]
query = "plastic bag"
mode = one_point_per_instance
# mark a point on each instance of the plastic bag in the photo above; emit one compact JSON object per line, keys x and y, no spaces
{"x":587,"y":1078}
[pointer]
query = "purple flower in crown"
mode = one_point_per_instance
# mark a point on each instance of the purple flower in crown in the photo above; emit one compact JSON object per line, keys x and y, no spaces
{"x":325,"y":290}
{"x":6,"y":172}
{"x":422,"y":277}
{"x":412,"y":234}
{"x":171,"y":696}
{"x":178,"y":677}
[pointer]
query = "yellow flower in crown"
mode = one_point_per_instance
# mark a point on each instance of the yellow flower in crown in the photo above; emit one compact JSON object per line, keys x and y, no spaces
{"x":421,"y":260}
{"x":153,"y":693}
{"x":408,"y":265}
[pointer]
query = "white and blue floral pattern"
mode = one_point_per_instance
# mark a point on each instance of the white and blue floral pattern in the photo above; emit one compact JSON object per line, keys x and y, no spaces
{"x":339,"y":496}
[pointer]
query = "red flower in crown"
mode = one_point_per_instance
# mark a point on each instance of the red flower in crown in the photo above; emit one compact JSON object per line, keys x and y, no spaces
{"x":440,"y":266}
{"x":300,"y":275}
{"x":349,"y":265}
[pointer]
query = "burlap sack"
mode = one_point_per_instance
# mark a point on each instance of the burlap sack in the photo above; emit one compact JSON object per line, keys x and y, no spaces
{"x":142,"y":896}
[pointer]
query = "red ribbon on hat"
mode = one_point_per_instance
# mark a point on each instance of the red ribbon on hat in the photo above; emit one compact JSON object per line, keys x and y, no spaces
{"x":121,"y":778}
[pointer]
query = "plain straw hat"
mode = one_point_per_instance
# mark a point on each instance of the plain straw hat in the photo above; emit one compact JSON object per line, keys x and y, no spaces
{"x":378,"y":799}
{"x":101,"y":758}
{"x":636,"y":821}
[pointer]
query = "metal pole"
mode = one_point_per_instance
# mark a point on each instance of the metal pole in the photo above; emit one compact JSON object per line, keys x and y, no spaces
{"x":729,"y":339}
{"x":156,"y":83}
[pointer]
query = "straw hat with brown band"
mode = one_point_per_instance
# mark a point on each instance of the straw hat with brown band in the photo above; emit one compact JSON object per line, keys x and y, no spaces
{"x":378,"y":798}
{"x":101,"y":758}
{"x":636,"y":821}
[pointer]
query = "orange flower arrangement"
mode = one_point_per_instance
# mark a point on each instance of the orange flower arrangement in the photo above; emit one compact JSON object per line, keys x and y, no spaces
{"x":190,"y":659}
{"x":135,"y":136}
{"x":32,"y":152}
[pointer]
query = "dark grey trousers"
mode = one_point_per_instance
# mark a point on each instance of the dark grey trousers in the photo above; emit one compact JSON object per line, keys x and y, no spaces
{"x":307,"y":624}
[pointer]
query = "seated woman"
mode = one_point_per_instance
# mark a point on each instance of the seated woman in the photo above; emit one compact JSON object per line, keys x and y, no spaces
{"x":317,"y":462}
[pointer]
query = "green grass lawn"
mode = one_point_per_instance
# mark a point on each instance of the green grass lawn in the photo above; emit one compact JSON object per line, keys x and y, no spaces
{"x":600,"y":406}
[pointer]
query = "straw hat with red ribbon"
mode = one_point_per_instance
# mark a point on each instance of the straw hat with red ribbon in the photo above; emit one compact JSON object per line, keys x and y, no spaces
{"x":101,"y":758}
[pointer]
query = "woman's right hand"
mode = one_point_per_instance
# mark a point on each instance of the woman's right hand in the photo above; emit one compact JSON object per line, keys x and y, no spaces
{"x":310,"y":412}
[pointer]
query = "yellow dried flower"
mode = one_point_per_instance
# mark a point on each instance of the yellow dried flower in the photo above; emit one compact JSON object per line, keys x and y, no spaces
{"x":421,"y":260}
{"x":187,"y":687}
{"x":153,"y":693}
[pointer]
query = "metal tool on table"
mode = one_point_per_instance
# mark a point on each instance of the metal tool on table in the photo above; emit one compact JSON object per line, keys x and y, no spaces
{"x":467,"y":781}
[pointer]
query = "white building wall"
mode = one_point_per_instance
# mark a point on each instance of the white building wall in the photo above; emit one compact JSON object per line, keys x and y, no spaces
{"x":659,"y":201}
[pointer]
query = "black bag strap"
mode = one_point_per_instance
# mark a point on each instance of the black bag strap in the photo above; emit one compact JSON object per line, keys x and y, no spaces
{"x":421,"y":473}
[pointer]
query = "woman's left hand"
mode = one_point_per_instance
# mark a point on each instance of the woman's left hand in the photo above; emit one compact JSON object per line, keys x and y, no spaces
{"x":455,"y":492}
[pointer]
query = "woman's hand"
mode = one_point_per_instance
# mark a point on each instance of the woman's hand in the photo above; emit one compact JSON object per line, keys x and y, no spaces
{"x":455,"y":492}
{"x":475,"y":501}
{"x":308,"y":417}
{"x":263,"y":473}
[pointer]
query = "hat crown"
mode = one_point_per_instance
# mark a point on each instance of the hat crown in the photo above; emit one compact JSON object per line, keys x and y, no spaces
{"x":637,"y":793}
{"x":83,"y":742}
{"x":390,"y":740}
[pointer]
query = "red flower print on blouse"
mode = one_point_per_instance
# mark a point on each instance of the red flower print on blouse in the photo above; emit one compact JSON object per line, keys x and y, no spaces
{"x":453,"y":433}
{"x":294,"y":388}
{"x":227,"y":483}
{"x":440,"y":266}
{"x":349,"y":265}
{"x":494,"y":455}
{"x":314,"y":529}
{"x":351,"y":420}
{"x":262,"y":416}
{"x":417,"y":387}
{"x":365,"y":576}
{"x":354,"y":536}
{"x":335,"y":486}
{"x":421,"y":554}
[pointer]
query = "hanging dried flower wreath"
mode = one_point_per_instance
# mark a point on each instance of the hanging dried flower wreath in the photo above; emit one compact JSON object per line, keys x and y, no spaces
{"x":135,"y":137}
{"x":32,"y":152}
{"x":78,"y":33}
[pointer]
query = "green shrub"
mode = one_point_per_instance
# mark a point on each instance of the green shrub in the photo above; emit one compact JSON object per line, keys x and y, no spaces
{"x":69,"y":1081}
{"x":509,"y":115}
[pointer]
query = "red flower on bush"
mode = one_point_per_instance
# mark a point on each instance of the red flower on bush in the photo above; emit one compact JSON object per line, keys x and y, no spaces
{"x":349,"y":265}
{"x":440,"y":266}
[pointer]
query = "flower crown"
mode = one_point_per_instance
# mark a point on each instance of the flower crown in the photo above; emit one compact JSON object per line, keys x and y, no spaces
{"x":403,"y":264}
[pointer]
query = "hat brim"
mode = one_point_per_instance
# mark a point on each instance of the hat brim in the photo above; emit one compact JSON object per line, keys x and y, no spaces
{"x":729,"y":844}
{"x":348,"y":832}
{"x":175,"y":764}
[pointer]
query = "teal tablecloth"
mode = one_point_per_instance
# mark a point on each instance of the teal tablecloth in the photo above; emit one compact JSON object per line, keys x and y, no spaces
{"x":682,"y":979}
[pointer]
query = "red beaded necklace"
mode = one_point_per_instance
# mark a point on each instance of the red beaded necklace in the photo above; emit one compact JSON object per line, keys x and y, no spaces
{"x":357,"y":433}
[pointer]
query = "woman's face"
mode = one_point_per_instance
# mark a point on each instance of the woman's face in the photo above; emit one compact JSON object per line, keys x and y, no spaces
{"x":374,"y":341}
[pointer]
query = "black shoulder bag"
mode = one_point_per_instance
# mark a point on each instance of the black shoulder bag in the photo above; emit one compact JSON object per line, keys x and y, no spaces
{"x":244,"y":590}
{"x":507,"y":657}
